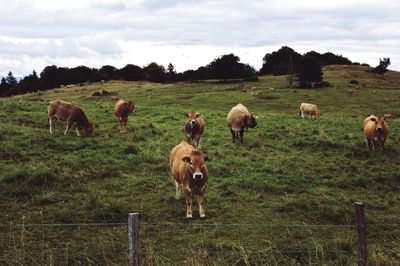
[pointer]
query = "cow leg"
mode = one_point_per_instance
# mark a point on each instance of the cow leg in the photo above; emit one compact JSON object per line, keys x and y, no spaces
{"x":188,"y":198}
{"x":241,"y":135}
{"x":198,"y":143}
{"x":202,"y":212}
{"x":77,"y":132}
{"x":302,"y":114}
{"x":233,"y":135}
{"x":66,"y":130}
{"x":52,"y":124}
{"x":177,"y":191}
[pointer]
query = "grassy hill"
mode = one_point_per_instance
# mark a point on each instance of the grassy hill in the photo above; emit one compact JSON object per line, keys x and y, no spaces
{"x":289,"y":171}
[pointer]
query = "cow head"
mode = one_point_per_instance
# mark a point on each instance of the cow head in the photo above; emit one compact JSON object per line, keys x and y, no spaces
{"x":131,"y":107}
{"x":380,"y":121}
{"x":250,"y":121}
{"x":89,"y":129}
{"x":192,"y":118}
{"x":196,"y":161}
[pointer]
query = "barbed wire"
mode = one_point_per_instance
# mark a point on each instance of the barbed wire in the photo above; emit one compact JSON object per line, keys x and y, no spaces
{"x":192,"y":224}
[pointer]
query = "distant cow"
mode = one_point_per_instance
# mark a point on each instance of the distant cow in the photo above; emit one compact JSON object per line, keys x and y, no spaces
{"x":240,"y":119}
{"x":190,"y":173}
{"x":114,"y":98}
{"x":194,"y":127}
{"x":122,"y":110}
{"x":308,"y":108}
{"x":72,"y":114}
{"x":376,"y":131}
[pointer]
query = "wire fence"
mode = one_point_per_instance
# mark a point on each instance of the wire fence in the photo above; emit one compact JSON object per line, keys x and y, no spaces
{"x":121,"y":253}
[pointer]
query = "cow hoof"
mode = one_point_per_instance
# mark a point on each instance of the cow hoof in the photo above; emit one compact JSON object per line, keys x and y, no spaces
{"x":202,"y":215}
{"x":188,"y":216}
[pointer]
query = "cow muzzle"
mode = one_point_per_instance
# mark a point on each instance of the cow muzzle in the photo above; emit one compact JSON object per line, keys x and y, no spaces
{"x":378,"y":131}
{"x":198,"y":176}
{"x":192,"y":122}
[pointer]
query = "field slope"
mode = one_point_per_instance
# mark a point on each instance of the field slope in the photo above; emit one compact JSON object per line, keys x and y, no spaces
{"x":264,"y":196}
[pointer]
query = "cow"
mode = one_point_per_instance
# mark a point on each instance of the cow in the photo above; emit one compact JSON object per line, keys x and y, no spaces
{"x":194,"y":127}
{"x":376,"y":131}
{"x":308,"y":108}
{"x":122,"y":110}
{"x":72,"y":114}
{"x":114,"y":98}
{"x":189,"y":173}
{"x":240,"y":119}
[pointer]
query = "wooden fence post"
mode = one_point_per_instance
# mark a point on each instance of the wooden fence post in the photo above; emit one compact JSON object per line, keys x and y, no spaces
{"x":361,"y":230}
{"x":133,"y":234}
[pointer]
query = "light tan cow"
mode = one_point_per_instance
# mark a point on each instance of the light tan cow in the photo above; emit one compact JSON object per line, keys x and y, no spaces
{"x":122,"y":110}
{"x":72,"y":114}
{"x":189,"y":173}
{"x":376,"y":131}
{"x":194,"y":127}
{"x":240,"y":119}
{"x":308,"y":108}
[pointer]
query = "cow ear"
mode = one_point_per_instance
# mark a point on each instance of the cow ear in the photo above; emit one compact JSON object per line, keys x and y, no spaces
{"x":187,"y":115}
{"x":186,"y":159}
{"x":208,"y":158}
{"x":197,"y":115}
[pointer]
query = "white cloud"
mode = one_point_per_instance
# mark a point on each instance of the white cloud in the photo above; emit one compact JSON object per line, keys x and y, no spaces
{"x":191,"y":33}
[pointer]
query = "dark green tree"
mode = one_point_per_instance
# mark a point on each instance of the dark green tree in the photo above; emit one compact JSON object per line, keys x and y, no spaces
{"x":382,"y":68}
{"x":309,"y":71}
{"x":11,"y":80}
{"x":171,"y":73}
{"x":282,"y":62}
{"x":154,"y":72}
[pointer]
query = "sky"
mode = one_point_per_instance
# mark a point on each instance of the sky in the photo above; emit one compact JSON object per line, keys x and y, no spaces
{"x":191,"y":33}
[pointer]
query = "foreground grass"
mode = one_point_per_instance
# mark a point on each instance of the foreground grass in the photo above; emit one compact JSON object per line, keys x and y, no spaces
{"x":288,"y":171}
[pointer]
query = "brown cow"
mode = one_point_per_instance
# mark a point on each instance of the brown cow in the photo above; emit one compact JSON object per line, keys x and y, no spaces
{"x":376,"y":131}
{"x":194,"y":127}
{"x":72,"y":114}
{"x":122,"y":110}
{"x":240,"y":119}
{"x":190,"y":173}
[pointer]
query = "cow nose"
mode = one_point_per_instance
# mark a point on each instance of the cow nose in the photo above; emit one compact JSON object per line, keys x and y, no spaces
{"x":193,"y":122}
{"x":379,"y":130}
{"x":197,"y":176}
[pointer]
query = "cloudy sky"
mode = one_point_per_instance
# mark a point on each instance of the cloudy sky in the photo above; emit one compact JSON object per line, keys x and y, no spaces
{"x":191,"y":33}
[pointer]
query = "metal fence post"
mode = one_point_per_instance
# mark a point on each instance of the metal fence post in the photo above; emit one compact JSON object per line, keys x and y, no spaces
{"x":133,"y":234}
{"x":361,"y":232}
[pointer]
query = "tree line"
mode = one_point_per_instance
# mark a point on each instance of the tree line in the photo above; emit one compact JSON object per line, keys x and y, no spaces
{"x":305,"y":68}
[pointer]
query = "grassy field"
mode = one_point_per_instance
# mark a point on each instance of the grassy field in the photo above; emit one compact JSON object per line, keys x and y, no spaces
{"x":289,"y":171}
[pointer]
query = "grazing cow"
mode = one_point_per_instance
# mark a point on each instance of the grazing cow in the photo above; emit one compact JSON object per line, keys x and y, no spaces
{"x":376,"y":131}
{"x":239,"y":119}
{"x":194,"y":127}
{"x":122,"y":110}
{"x":386,"y":100}
{"x":190,"y":173}
{"x":72,"y":114}
{"x":308,"y":108}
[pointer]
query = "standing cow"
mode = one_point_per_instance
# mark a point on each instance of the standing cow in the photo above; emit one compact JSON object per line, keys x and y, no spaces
{"x":308,"y":108}
{"x":122,"y":110}
{"x":72,"y":114}
{"x":376,"y":131}
{"x":190,"y":173}
{"x":240,"y":119}
{"x":194,"y":127}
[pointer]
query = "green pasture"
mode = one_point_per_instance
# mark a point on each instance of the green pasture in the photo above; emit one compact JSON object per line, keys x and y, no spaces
{"x":264,"y":196}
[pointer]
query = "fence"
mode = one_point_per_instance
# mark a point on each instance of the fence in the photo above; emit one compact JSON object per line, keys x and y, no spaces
{"x":134,"y":227}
